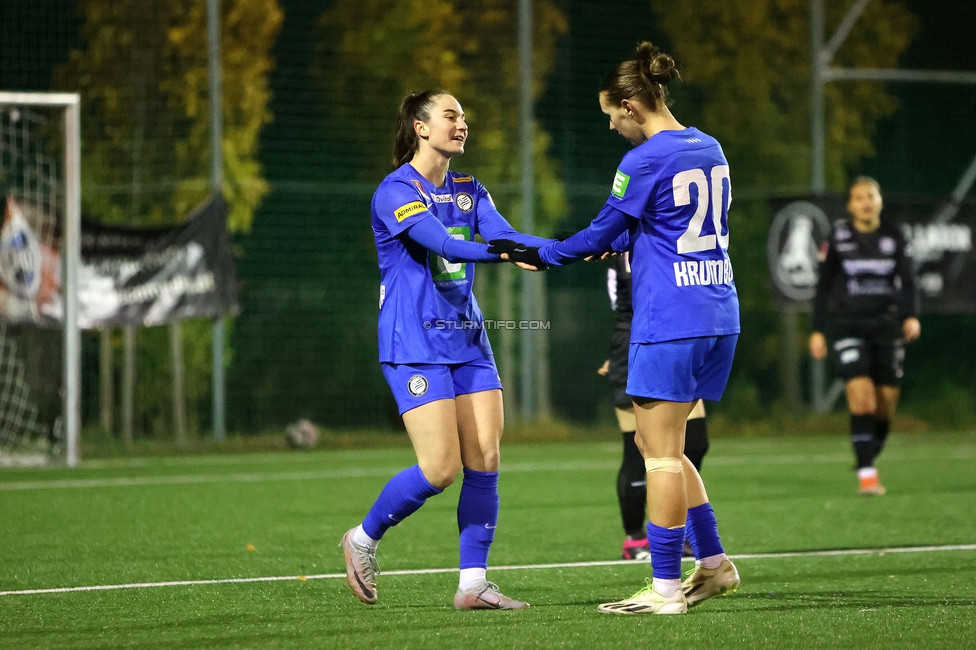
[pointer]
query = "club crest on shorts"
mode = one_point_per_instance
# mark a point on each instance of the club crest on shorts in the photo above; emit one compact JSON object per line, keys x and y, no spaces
{"x":464,"y":201}
{"x":417,"y":385}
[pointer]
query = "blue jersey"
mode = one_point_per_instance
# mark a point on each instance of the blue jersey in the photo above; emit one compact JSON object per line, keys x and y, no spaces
{"x":678,"y":185}
{"x":672,"y":193}
{"x":427,"y":311}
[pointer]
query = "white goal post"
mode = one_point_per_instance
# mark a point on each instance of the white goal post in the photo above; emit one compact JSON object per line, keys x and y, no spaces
{"x":70,"y":250}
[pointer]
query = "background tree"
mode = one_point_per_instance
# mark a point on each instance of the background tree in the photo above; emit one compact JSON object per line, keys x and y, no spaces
{"x":375,"y":52}
{"x":750,"y":62}
{"x":746,"y":70}
{"x":143,"y":77}
{"x":145,"y":116}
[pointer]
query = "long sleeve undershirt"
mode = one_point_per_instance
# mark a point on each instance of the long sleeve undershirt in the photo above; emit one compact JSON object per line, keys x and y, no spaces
{"x":492,"y":225}
{"x":609,"y":229}
{"x":430,"y":233}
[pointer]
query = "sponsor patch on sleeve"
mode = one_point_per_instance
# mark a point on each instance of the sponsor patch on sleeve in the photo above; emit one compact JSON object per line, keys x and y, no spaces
{"x":620,"y":183}
{"x":408,"y":210}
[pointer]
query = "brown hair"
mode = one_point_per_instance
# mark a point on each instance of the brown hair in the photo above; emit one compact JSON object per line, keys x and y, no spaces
{"x":643,"y":78}
{"x":415,"y":106}
{"x":863,"y":180}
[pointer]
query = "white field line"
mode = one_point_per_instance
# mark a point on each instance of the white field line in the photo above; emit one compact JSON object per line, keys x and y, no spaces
{"x":513,"y":567}
{"x":257,"y":458}
{"x":254,"y":477}
{"x":962,"y":453}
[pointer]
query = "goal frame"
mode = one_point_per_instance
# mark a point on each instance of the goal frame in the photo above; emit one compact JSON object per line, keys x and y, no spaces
{"x":71,"y":255}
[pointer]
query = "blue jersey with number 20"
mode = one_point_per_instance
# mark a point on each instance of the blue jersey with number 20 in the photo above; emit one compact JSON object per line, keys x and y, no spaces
{"x":677,"y":185}
{"x":427,"y":311}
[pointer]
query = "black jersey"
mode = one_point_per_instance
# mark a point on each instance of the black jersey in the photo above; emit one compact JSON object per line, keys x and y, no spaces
{"x":866,"y":279}
{"x":619,"y":284}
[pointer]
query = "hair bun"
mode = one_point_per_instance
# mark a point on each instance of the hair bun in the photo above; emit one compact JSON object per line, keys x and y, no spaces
{"x":656,"y":65}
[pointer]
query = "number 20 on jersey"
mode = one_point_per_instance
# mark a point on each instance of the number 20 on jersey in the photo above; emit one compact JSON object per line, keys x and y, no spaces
{"x":711,"y":194}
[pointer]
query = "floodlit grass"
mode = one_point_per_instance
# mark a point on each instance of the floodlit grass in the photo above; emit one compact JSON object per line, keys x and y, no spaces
{"x":190,"y":518}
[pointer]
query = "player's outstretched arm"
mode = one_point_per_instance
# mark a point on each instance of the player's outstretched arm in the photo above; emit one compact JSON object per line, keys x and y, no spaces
{"x":608,"y":229}
{"x":492,"y":225}
{"x":525,"y":257}
{"x":432,"y":235}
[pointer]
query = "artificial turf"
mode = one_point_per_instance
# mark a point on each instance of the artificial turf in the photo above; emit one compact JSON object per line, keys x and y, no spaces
{"x":154,"y":520}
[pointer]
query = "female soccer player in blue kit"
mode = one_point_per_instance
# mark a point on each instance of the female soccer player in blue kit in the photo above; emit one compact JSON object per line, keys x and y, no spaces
{"x":434,"y":351}
{"x":669,"y":207}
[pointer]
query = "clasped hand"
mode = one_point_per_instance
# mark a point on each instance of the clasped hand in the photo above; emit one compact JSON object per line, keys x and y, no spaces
{"x":524,"y":257}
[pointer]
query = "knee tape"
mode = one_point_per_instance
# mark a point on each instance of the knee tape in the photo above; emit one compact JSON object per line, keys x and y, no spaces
{"x":670,"y":465}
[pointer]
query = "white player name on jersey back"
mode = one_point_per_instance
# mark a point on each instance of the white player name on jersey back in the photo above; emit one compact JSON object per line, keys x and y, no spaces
{"x":702,"y":272}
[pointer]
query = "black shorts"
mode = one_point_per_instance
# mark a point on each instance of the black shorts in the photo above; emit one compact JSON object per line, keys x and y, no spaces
{"x":619,"y":396}
{"x":619,"y":349}
{"x":617,"y":376}
{"x":878,"y":353}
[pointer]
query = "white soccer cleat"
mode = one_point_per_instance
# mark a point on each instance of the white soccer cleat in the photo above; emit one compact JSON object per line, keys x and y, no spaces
{"x":486,"y":596}
{"x":361,"y":568}
{"x":704,"y":583}
{"x":648,"y":601}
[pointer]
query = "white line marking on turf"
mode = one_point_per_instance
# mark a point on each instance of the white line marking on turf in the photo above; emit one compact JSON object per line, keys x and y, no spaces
{"x":544,"y":466}
{"x":179,"y":479}
{"x":255,"y":477}
{"x":327,"y":474}
{"x":511,"y":567}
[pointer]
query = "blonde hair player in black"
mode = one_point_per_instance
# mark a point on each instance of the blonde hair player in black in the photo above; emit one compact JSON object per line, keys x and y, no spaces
{"x":866,"y":307}
{"x":631,"y":478}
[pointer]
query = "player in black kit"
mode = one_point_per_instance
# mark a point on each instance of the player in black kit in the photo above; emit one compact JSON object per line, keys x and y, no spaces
{"x":867,"y":307}
{"x":631,"y":479}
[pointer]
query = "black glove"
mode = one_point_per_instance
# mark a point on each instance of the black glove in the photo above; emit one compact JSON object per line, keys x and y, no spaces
{"x":517,"y":252}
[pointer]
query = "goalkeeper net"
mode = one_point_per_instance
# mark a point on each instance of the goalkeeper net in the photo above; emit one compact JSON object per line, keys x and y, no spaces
{"x":38,"y":261}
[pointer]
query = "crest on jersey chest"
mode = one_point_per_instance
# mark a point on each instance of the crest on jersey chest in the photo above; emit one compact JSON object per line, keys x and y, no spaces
{"x":464,"y":201}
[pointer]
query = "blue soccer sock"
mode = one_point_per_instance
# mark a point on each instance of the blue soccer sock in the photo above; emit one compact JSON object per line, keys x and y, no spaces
{"x":401,"y":497}
{"x":477,"y":516}
{"x":703,"y":531}
{"x":666,"y":544}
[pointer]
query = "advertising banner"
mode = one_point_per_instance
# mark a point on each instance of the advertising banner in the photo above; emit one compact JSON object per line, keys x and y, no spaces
{"x":942,"y":247}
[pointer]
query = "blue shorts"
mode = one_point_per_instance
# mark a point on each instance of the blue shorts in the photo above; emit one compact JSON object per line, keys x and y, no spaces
{"x":416,"y":384}
{"x":681,"y":371}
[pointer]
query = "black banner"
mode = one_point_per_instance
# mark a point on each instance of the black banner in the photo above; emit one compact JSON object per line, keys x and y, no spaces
{"x":151,"y":276}
{"x":941,"y":243}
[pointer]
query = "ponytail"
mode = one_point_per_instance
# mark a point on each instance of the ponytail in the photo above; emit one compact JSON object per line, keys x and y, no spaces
{"x":415,"y":106}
